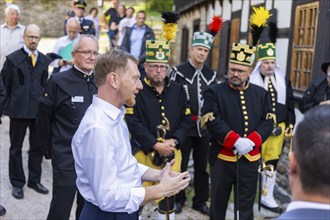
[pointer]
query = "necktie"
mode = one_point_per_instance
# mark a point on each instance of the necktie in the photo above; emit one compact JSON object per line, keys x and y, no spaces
{"x":33,"y":59}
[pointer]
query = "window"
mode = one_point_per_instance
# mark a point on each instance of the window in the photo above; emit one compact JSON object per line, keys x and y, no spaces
{"x":305,"y":28}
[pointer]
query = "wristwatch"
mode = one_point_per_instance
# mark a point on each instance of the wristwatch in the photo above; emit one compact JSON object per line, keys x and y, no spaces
{"x":176,"y":141}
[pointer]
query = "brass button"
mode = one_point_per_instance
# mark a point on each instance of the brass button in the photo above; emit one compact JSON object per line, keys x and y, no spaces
{"x":243,"y":101}
{"x":245,"y":112}
{"x":272,"y":90}
{"x":273,"y":99}
{"x":160,"y":100}
{"x":245,"y":135}
{"x":274,"y":104}
{"x":241,"y":92}
{"x":163,"y":121}
{"x":246,"y":129}
{"x":272,"y":94}
{"x":246,"y":123}
{"x":246,"y":117}
{"x":243,"y":107}
{"x":270,"y":85}
{"x":273,"y":109}
{"x":162,"y":107}
{"x":163,"y":114}
{"x":242,"y":97}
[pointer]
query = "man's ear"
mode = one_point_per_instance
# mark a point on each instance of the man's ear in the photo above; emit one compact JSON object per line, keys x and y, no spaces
{"x":293,"y":166}
{"x":113,"y":79}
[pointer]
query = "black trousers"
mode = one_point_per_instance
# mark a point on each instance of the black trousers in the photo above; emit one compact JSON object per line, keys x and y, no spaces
{"x":64,"y":191}
{"x":91,"y":211}
{"x":223,"y":177}
{"x":17,"y":131}
{"x":200,"y":147}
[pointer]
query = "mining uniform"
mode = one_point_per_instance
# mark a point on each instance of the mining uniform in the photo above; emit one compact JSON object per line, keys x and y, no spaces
{"x":230,"y":113}
{"x":195,"y":82}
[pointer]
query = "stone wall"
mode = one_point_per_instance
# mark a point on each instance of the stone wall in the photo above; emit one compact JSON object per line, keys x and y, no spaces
{"x":49,"y":15}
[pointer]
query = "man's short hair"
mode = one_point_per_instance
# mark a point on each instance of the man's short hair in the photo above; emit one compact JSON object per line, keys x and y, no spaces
{"x":12,"y":7}
{"x":312,"y":150}
{"x":112,"y":61}
{"x":76,"y":42}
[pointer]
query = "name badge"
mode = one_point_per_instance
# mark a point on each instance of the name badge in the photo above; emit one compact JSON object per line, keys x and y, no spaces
{"x":77,"y":99}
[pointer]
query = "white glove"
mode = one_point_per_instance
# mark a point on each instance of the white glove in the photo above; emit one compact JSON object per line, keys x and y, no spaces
{"x":243,"y":146}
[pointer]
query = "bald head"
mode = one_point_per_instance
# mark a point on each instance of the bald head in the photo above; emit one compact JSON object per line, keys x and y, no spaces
{"x":72,"y":28}
{"x":32,"y":36}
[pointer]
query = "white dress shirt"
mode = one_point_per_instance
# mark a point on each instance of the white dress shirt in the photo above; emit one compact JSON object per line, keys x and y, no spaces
{"x":123,"y":24}
{"x":107,"y":173}
{"x":10,"y":40}
{"x":61,"y":43}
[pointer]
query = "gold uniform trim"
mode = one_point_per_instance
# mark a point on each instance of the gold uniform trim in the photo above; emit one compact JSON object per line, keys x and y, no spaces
{"x":188,"y":111}
{"x":129,"y":111}
{"x":205,"y":118}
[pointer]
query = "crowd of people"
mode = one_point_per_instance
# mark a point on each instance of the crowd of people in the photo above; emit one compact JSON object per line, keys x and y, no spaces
{"x":120,"y":127}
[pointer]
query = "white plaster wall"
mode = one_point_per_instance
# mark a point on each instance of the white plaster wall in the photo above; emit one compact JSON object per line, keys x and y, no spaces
{"x":282,"y":46}
{"x":257,"y":2}
{"x":268,"y":4}
{"x":226,"y":10}
{"x":243,"y":41}
{"x":236,"y":5}
{"x":284,"y":13}
{"x":217,"y":8}
{"x":245,"y":16}
{"x":210,"y":13}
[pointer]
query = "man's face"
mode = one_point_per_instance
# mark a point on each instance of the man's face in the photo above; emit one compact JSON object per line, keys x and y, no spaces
{"x":199,"y":54}
{"x":129,"y":13}
{"x":79,"y":12}
{"x":267,"y":67}
{"x":156,"y":72}
{"x":73,"y":30}
{"x":140,"y":19}
{"x":32,"y":38}
{"x":12,"y":17}
{"x":130,"y":84}
{"x":238,"y":74}
{"x":86,"y":55}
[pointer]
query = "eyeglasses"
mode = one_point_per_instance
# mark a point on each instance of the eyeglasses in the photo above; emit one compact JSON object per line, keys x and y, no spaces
{"x":30,"y":37}
{"x":239,"y":72}
{"x":87,"y":53}
{"x":155,"y":67}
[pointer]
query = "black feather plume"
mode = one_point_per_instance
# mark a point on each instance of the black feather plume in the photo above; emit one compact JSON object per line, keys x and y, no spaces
{"x":170,"y":17}
{"x":256,"y":33}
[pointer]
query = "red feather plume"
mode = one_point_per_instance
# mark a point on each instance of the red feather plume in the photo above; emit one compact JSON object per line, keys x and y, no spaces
{"x":215,"y":25}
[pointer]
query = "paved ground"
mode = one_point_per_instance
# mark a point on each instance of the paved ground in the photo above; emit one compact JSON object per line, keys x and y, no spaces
{"x":35,"y":205}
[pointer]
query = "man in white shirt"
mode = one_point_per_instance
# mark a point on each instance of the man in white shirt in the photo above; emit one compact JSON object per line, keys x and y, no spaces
{"x":11,"y":33}
{"x":108,"y":176}
{"x":63,"y":47}
{"x":309,"y":167}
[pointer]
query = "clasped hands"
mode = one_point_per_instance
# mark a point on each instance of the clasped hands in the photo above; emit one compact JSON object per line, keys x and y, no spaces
{"x":243,"y":146}
{"x":165,"y":148}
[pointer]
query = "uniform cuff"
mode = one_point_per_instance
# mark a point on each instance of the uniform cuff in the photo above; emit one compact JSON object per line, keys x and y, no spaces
{"x":256,"y":138}
{"x":230,"y":139}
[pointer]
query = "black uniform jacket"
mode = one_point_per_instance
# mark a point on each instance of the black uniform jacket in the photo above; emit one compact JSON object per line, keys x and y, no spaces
{"x":194,"y":82}
{"x":152,"y":109}
{"x":87,"y":27}
{"x":317,"y":92}
{"x":63,"y":104}
{"x":237,"y":113}
{"x":23,"y":83}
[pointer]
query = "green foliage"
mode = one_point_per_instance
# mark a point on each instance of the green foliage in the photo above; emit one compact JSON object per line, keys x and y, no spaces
{"x":159,"y":5}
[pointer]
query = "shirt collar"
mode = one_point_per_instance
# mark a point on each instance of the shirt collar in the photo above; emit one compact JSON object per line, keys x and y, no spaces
{"x":307,"y":205}
{"x":135,"y":27}
{"x":5,"y":25}
{"x":88,"y":74}
{"x":109,"y":109}
{"x":29,"y":52}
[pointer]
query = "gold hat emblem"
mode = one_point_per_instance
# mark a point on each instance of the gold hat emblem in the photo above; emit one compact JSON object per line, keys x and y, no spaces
{"x":241,"y":56}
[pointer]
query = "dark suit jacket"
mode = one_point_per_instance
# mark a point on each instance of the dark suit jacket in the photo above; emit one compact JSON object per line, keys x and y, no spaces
{"x":126,"y":44}
{"x":310,"y":214}
{"x":23,"y":83}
